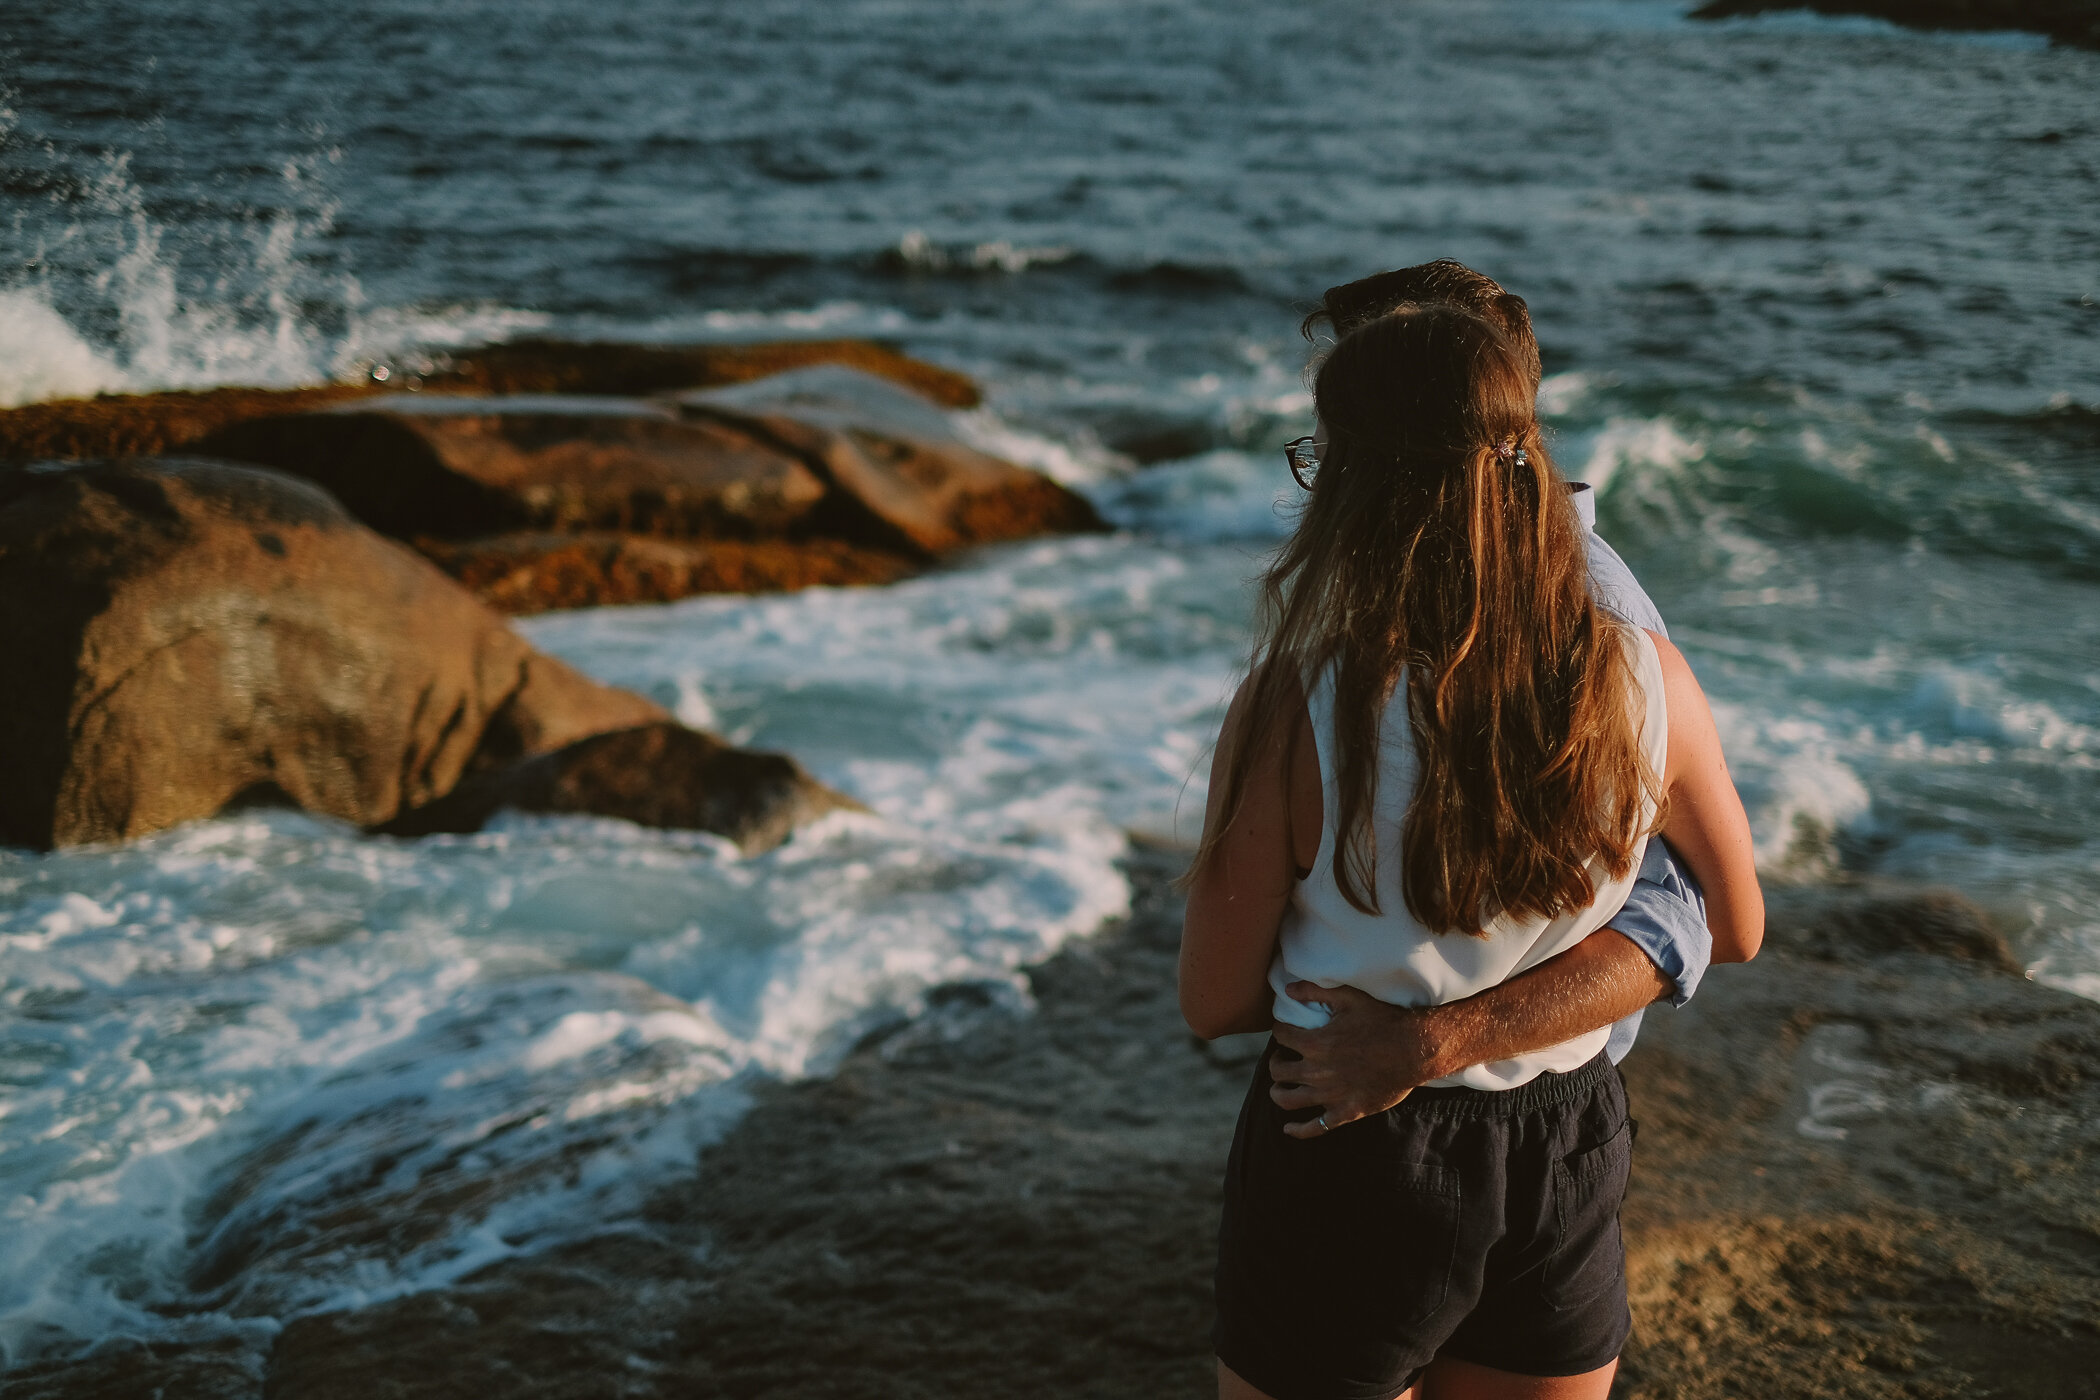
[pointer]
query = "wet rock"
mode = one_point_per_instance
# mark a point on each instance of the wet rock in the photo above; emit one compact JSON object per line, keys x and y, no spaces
{"x":831,"y":455}
{"x":1817,"y":1212}
{"x":535,"y":572}
{"x":890,"y":459}
{"x":587,"y":367}
{"x":660,"y":774}
{"x":122,"y":425}
{"x":1032,"y":1210}
{"x":147,"y":425}
{"x":833,"y":396}
{"x":185,"y":635}
{"x":453,"y":467}
{"x":2066,"y":21}
{"x":1941,"y":923}
{"x":1149,"y":435}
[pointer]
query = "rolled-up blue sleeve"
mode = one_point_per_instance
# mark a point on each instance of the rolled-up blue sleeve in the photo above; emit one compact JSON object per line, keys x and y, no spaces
{"x":1665,"y":917}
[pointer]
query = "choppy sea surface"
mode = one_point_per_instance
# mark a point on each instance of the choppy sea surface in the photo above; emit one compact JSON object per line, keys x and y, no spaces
{"x":1820,"y":303}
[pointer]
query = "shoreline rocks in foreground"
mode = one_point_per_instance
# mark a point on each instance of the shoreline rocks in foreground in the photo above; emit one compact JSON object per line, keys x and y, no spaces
{"x":535,"y":474}
{"x":147,"y":425}
{"x":2074,"y":22}
{"x":1867,"y":1169}
{"x":188,"y":636}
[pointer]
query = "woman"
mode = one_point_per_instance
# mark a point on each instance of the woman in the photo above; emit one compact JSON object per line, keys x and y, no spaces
{"x":1442,"y":771}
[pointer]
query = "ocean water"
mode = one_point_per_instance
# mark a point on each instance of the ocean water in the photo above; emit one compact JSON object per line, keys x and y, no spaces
{"x":1820,"y":305}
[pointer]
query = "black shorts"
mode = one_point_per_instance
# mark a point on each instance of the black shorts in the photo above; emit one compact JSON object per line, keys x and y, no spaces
{"x":1464,"y":1223}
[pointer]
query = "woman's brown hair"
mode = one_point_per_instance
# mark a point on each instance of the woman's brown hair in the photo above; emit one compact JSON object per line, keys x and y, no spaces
{"x":1439,"y":544}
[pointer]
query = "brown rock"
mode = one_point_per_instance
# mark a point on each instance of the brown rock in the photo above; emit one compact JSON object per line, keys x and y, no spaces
{"x":146,"y":425}
{"x":934,"y":497}
{"x":659,"y":774}
{"x":583,"y":367}
{"x":529,"y":573}
{"x":1939,"y":922}
{"x":457,"y":467}
{"x":183,"y":635}
{"x":894,"y":455}
{"x":122,"y":425}
{"x":864,"y":477}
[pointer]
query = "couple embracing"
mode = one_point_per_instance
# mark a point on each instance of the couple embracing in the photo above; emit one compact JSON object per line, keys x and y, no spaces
{"x":1434,"y":864}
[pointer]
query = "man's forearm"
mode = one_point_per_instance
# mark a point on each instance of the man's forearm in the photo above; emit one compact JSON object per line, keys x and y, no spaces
{"x":1370,"y":1054}
{"x":1598,"y":981}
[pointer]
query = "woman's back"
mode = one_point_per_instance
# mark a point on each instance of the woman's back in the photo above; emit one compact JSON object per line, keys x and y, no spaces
{"x":1391,"y":955}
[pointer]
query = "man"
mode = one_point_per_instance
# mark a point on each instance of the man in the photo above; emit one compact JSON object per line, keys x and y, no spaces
{"x":1370,"y":1055}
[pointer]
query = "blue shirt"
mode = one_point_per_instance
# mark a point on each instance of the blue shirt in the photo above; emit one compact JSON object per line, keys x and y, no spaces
{"x":1665,"y":916}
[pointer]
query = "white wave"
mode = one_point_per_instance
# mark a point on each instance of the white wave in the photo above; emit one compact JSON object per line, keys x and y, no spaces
{"x":1561,"y":394}
{"x":1217,"y":496}
{"x":244,"y":324}
{"x":1972,"y":705}
{"x":1797,"y":784}
{"x":1070,"y":461}
{"x":921,"y":254}
{"x":825,"y":318}
{"x":41,"y":357}
{"x":1652,"y":444}
{"x":409,"y":338}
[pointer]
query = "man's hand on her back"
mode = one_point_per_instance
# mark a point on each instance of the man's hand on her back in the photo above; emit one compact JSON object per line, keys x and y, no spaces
{"x":1368,"y":1057}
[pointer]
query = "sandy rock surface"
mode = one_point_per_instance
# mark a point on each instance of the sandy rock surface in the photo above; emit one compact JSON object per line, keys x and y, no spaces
{"x":988,"y":1203}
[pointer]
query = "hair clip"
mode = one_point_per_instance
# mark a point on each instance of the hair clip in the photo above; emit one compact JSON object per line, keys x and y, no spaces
{"x":1511,"y":454}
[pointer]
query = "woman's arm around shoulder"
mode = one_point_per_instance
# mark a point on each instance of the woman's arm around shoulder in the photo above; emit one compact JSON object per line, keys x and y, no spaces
{"x":1237,"y":901}
{"x":1705,"y":823}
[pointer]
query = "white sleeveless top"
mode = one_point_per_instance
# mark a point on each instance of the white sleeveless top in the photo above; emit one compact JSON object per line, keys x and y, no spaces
{"x":1391,"y":956}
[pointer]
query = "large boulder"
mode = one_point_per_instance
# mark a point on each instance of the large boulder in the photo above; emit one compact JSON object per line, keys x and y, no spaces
{"x":188,"y":635}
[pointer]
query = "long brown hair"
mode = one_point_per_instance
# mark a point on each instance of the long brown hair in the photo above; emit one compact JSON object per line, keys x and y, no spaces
{"x":1440,"y":542}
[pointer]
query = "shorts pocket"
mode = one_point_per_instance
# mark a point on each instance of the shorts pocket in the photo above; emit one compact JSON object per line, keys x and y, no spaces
{"x":1401,"y":1246}
{"x":1589,"y":1255}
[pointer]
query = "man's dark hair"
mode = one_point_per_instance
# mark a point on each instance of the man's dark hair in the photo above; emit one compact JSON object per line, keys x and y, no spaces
{"x":1445,"y":282}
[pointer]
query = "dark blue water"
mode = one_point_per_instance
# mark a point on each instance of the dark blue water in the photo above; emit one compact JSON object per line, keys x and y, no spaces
{"x":1820,"y":307}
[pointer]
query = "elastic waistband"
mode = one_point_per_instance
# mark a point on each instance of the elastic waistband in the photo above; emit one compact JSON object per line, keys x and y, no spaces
{"x":1464,"y":1101}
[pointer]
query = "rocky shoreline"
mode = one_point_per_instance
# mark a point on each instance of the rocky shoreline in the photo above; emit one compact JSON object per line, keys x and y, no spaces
{"x":216,"y":600}
{"x":1867,"y":1168}
{"x":2074,"y":22}
{"x":553,"y":474}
